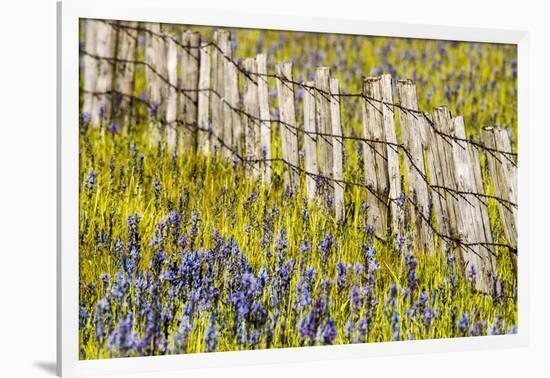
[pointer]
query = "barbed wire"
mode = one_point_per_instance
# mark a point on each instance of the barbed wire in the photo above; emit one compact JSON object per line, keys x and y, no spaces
{"x":295,"y":129}
{"x":327,"y":94}
{"x":390,"y":105}
{"x":368,"y":141}
{"x":185,"y":91}
{"x":141,"y":29}
{"x":253,"y":162}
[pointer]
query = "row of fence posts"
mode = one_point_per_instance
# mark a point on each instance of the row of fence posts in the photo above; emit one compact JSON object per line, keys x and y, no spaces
{"x":193,"y":88}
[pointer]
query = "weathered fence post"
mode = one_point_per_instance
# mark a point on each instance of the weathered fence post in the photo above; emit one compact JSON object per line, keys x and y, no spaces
{"x":155,"y":72}
{"x":105,"y":49}
{"x":221,"y":48}
{"x":310,"y":140}
{"x":503,"y":172}
{"x":443,"y":123}
{"x":413,"y":125}
{"x":251,"y":108}
{"x":289,"y":136}
{"x":324,"y":126}
{"x":203,"y":107}
{"x":392,"y":153}
{"x":483,"y":209}
{"x":189,"y":85}
{"x":435,"y":169}
{"x":172,"y":99}
{"x":232,"y":118}
{"x":477,"y":258}
{"x":127,"y":33}
{"x":265,"y":123}
{"x":230,"y":94}
{"x":375,"y":157}
{"x":337,"y":150}
{"x":90,"y":65}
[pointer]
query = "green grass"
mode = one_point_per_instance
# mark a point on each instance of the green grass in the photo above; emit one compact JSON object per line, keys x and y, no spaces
{"x":221,"y":192}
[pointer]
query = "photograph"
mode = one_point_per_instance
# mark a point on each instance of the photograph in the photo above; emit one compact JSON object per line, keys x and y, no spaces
{"x":245,"y":189}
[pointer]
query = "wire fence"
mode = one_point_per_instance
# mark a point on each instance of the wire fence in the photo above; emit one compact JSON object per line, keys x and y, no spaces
{"x":446,"y":168}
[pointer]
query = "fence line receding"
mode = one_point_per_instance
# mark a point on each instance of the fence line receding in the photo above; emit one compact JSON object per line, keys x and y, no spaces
{"x":201,"y":98}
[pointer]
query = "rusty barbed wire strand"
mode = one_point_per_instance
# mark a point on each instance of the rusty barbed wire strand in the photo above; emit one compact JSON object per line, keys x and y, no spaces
{"x":391,"y":106}
{"x":379,"y":196}
{"x":253,"y":162}
{"x":455,"y":193}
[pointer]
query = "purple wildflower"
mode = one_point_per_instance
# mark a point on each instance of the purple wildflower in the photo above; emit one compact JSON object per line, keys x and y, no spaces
{"x":341,"y":273}
{"x":472,"y":275}
{"x":211,"y":338}
{"x":85,"y":119}
{"x":90,"y":181}
{"x":113,"y":128}
{"x":463,"y":323}
{"x":122,"y":339}
{"x":330,"y":333}
{"x":326,"y":245}
{"x":478,"y":328}
{"x":355,"y":298}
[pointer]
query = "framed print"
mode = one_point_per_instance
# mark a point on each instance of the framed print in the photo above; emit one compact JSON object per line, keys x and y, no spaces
{"x":239,"y":189}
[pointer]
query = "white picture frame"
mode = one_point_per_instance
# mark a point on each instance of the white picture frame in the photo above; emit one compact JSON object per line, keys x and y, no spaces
{"x":173,"y":11}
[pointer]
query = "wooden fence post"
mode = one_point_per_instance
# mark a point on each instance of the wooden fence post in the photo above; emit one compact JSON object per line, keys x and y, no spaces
{"x":435,"y":169}
{"x":172,"y":99}
{"x":150,"y":52}
{"x":265,"y":123}
{"x":155,"y":59}
{"x":337,"y":150}
{"x":310,"y":140}
{"x":324,"y":126}
{"x":417,"y":184}
{"x":289,"y":136}
{"x":503,"y":172}
{"x":476,"y":257}
{"x":392,"y":153}
{"x":105,"y":49}
{"x":127,"y":34}
{"x":231,"y":118}
{"x":90,"y":65}
{"x":203,"y":107}
{"x":252,"y":110}
{"x":443,"y":123}
{"x":233,"y":134}
{"x":217,"y":101}
{"x":229,"y":91}
{"x":189,"y":85}
{"x":483,"y":210}
{"x":375,"y":157}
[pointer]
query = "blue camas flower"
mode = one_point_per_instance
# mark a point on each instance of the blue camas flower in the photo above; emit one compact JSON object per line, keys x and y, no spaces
{"x":330,"y":333}
{"x":211,"y":338}
{"x":326,"y":245}
{"x":85,"y":119}
{"x":472,"y":275}
{"x":90,"y":182}
{"x":463,"y":323}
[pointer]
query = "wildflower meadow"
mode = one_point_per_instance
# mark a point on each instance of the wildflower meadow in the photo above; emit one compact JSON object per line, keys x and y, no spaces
{"x":185,"y":252}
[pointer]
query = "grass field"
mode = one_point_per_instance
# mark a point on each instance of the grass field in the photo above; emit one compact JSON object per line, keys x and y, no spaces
{"x":181,"y":253}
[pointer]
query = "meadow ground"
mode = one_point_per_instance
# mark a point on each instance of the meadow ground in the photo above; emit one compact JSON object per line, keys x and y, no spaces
{"x":181,"y":253}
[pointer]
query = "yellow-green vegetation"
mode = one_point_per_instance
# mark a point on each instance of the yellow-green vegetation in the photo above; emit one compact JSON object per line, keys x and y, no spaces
{"x":182,"y":253}
{"x":476,"y":80}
